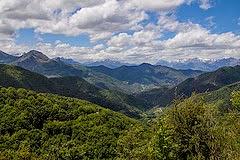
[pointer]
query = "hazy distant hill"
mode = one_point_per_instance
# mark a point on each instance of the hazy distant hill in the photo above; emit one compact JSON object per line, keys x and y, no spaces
{"x":68,"y":61}
{"x":108,"y":63}
{"x":147,"y":74}
{"x":203,"y":83}
{"x":198,"y":64}
{"x":12,"y":76}
{"x":6,"y":58}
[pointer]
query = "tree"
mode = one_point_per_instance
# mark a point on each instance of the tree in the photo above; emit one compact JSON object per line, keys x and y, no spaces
{"x":236,"y":99}
{"x":187,"y":131}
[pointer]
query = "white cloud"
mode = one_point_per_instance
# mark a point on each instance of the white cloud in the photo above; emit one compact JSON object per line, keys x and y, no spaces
{"x":121,"y":40}
{"x":114,"y":30}
{"x":205,"y":4}
{"x":10,"y":47}
{"x":161,"y":5}
{"x":144,"y":37}
{"x":94,"y":37}
{"x":73,"y":17}
{"x":210,"y":21}
{"x":98,"y":47}
{"x":92,"y":16}
{"x":194,"y":35}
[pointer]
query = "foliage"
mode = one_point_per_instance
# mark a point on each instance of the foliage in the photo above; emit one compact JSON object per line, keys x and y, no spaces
{"x":46,"y":126}
{"x":134,"y":144}
{"x":194,"y":129}
{"x":236,"y":99}
{"x":206,"y":82}
{"x":12,"y":76}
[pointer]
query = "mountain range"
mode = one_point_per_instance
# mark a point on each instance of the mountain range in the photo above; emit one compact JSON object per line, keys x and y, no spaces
{"x":36,"y":61}
{"x":128,"y":79}
{"x":205,"y":82}
{"x":194,"y":64}
{"x":148,"y":74}
{"x":14,"y":76}
{"x":129,"y":89}
{"x":198,"y":64}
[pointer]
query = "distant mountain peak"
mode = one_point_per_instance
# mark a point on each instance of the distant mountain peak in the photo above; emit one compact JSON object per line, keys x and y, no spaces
{"x":3,"y":53}
{"x":68,"y":61}
{"x":200,"y":64}
{"x":146,"y":64}
{"x":39,"y":56}
{"x":6,"y":58}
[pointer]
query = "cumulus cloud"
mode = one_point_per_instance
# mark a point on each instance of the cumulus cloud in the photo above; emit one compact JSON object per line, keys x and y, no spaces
{"x":162,"y":5}
{"x":120,"y":40}
{"x":73,"y":17}
{"x":115,"y":30}
{"x":205,"y":4}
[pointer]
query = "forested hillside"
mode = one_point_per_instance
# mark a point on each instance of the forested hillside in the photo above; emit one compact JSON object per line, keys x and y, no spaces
{"x":203,"y":83}
{"x":12,"y":76}
{"x":46,"y":126}
{"x":147,"y":74}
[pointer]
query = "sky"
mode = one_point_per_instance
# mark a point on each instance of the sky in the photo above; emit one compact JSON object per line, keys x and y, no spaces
{"x":133,"y":31}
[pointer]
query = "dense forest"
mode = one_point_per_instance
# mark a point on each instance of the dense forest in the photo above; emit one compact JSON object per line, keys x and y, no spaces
{"x":13,"y":76}
{"x":46,"y":126}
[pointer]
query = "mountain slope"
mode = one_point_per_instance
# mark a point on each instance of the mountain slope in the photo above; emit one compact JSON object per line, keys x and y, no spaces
{"x":39,"y":126}
{"x":147,"y":74}
{"x":108,"y":63}
{"x":128,"y":79}
{"x":12,"y":76}
{"x":115,"y":100}
{"x":107,"y":82}
{"x":17,"y":77}
{"x":222,"y":95}
{"x":6,"y":58}
{"x":38,"y":62}
{"x":206,"y":82}
{"x":66,"y":61}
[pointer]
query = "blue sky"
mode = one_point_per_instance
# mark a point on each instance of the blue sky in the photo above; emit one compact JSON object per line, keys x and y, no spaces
{"x":130,"y":31}
{"x":225,"y":15}
{"x":29,"y":37}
